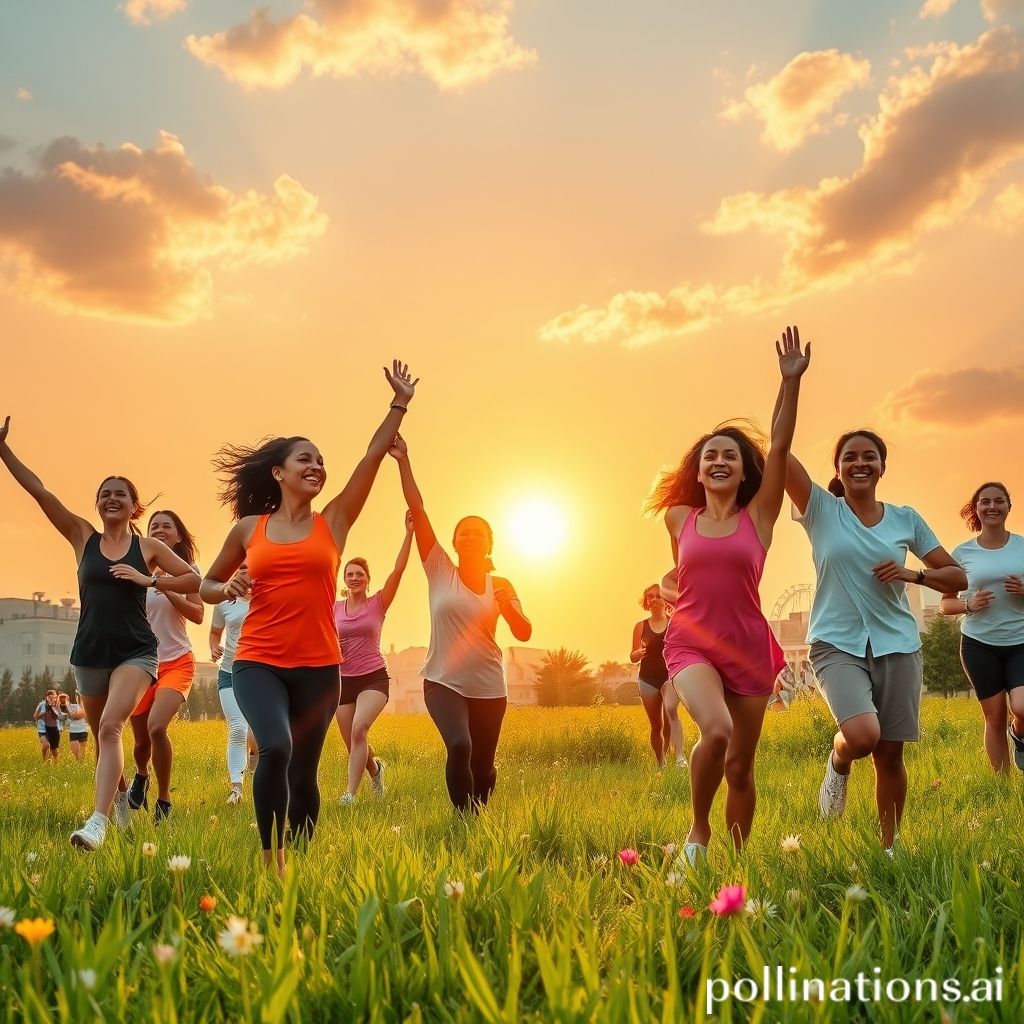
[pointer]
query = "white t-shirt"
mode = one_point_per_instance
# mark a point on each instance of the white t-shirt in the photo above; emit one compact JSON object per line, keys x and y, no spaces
{"x":229,"y":616}
{"x":168,"y":624}
{"x":1002,"y":622}
{"x":463,"y":654}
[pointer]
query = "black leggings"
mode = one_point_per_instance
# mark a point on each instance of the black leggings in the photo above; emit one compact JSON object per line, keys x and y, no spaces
{"x":469,"y":727}
{"x":289,"y":711}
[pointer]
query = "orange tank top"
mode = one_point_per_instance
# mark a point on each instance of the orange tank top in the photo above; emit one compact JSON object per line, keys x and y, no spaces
{"x":291,"y":611}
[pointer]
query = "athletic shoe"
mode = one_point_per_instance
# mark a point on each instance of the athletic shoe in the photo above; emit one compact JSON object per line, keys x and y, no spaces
{"x":693,"y":854}
{"x":235,"y":796}
{"x":137,"y":791}
{"x":121,"y":814}
{"x":378,"y":779}
{"x":161,"y":810}
{"x":1018,"y":747}
{"x":681,"y":761}
{"x":91,"y":835}
{"x":347,"y":798}
{"x":832,"y":795}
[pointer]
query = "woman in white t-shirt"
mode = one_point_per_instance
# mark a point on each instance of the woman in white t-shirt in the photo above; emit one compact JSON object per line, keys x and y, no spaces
{"x":167,"y":614}
{"x":992,"y":628}
{"x":463,"y":677}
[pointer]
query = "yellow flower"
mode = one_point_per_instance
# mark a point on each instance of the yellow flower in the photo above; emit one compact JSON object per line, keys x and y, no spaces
{"x":149,"y":849}
{"x":34,"y":929}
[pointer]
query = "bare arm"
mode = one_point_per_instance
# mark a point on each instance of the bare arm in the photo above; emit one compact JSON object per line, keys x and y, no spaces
{"x":227,"y":578}
{"x":942,"y":573}
{"x":511,"y":610}
{"x":178,"y":576}
{"x":190,"y":605}
{"x":342,"y":511}
{"x":216,"y":650}
{"x":390,"y":588}
{"x":639,"y":649}
{"x":425,"y":538}
{"x":39,"y":711}
{"x":73,"y":528}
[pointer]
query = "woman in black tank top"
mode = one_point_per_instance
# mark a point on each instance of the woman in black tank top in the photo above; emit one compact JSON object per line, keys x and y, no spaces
{"x":114,"y":653}
{"x":659,"y":699}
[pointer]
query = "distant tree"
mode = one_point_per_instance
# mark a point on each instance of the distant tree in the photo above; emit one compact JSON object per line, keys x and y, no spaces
{"x":564,"y":678}
{"x":25,"y":698}
{"x":940,"y":645}
{"x":609,"y":670}
{"x":6,"y":695}
{"x":67,"y":683}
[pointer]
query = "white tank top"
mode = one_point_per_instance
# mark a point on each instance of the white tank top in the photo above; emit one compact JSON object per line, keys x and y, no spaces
{"x":168,"y":624}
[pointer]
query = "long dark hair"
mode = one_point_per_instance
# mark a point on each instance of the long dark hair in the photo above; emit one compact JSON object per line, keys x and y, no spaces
{"x":682,"y":486}
{"x":133,"y":492}
{"x":186,"y":548}
{"x":249,"y":487}
{"x":969,"y":513}
{"x":835,"y":485}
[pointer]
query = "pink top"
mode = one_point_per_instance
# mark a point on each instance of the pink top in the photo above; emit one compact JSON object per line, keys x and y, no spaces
{"x":359,"y":634}
{"x":718,"y":618}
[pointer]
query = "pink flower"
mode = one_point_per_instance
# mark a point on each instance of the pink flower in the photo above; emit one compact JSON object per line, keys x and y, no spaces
{"x":629,"y":857}
{"x":731,"y":899}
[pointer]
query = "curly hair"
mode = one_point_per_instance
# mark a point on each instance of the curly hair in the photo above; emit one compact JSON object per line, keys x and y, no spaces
{"x":682,"y":486}
{"x":835,"y":485}
{"x":969,"y":512}
{"x":186,"y":548}
{"x":133,"y":492}
{"x":249,"y":487}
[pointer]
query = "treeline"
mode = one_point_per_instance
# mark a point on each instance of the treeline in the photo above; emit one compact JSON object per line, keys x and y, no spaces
{"x":19,"y":696}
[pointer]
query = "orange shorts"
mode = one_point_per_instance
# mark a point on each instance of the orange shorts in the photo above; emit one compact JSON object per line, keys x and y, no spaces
{"x":171,"y":675}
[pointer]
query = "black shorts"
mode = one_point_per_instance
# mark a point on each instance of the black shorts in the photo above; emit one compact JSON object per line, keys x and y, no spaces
{"x":992,"y":669}
{"x":53,"y":736}
{"x":352,"y":686}
{"x":78,"y":737}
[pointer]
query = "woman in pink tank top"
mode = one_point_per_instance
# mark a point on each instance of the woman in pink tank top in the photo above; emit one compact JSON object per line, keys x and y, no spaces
{"x":720,"y":508}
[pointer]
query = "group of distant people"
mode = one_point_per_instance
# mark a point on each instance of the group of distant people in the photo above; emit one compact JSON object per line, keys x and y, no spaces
{"x":54,"y":714}
{"x":294,"y":657}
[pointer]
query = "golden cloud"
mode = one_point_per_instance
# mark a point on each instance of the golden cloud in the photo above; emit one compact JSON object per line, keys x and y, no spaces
{"x":958,"y":398}
{"x":793,"y":103}
{"x":455,"y":43}
{"x":135,"y":234}
{"x":935,"y":8}
{"x":145,"y":12}
{"x":942,"y":132}
{"x":996,"y":9}
{"x":1007,"y":213}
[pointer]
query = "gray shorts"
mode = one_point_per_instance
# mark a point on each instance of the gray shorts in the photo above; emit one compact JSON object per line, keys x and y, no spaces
{"x":888,"y":686}
{"x":94,"y":682}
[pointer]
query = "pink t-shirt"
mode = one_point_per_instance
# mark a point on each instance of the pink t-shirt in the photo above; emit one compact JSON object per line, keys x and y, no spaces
{"x":359,"y":635}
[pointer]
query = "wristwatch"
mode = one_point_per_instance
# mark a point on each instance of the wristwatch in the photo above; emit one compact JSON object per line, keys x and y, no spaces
{"x":152,"y":581}
{"x":920,"y":578}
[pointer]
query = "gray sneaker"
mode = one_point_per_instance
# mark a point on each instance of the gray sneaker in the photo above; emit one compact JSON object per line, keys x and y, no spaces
{"x":1018,"y":747}
{"x":378,"y":779}
{"x":120,"y":813}
{"x":832,"y":794}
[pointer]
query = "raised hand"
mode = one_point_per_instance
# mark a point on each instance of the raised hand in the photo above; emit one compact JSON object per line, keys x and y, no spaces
{"x":398,"y":449}
{"x":409,"y":527}
{"x":5,"y":429}
{"x":399,"y":379}
{"x":792,"y":362}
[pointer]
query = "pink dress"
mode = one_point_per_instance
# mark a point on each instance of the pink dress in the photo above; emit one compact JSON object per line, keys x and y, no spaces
{"x":718,"y":619}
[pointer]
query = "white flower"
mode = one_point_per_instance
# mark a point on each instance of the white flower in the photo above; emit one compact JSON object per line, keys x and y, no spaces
{"x":87,"y":978}
{"x":179,"y":863}
{"x":856,"y":894}
{"x":396,"y":829}
{"x":7,"y":917}
{"x":164,"y":954}
{"x":149,"y":849}
{"x":454,"y":890}
{"x":795,"y":897}
{"x":675,"y":879}
{"x":669,"y":848}
{"x":791,"y":844}
{"x":31,"y":858}
{"x":985,"y":865}
{"x":759,"y":909}
{"x":240,"y":937}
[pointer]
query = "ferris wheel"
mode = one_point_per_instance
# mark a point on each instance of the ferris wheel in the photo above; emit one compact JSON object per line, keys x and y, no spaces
{"x":796,"y":598}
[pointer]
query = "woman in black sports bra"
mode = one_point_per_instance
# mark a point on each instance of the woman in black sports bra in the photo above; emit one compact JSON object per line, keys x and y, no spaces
{"x":114,"y":653}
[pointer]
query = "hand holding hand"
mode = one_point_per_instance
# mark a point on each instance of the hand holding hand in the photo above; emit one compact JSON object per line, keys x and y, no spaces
{"x":399,"y":379}
{"x":121,"y":571}
{"x":1013,"y":585}
{"x":792,"y":362}
{"x":398,"y":449}
{"x":893,"y":572}
{"x":408,"y":521}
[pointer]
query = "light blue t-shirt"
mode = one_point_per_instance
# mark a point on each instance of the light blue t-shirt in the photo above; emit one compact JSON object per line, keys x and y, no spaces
{"x":1002,"y":622}
{"x":851,"y":608}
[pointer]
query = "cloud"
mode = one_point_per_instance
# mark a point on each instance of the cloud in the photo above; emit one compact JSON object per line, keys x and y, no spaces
{"x":145,"y":12}
{"x":935,"y":8}
{"x":962,"y":397}
{"x":996,"y":9}
{"x":24,"y":95}
{"x":942,"y":132}
{"x":1007,"y":213}
{"x":454,"y":43}
{"x":792,"y":104}
{"x":6,"y":143}
{"x":136,"y":234}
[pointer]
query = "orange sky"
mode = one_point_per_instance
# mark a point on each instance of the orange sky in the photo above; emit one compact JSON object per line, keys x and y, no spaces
{"x":583,"y":234}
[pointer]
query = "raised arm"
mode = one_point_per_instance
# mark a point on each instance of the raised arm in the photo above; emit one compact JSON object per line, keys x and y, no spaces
{"x":390,"y":588}
{"x":74,"y":529}
{"x":342,"y":511}
{"x":511,"y":610}
{"x":767,"y":503}
{"x":425,"y":539}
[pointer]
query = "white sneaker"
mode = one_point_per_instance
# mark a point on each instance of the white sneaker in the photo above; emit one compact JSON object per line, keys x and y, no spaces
{"x":378,"y":779}
{"x":91,"y":835}
{"x":121,"y":812}
{"x":832,"y":794}
{"x":235,"y":796}
{"x":692,"y":855}
{"x":347,"y":798}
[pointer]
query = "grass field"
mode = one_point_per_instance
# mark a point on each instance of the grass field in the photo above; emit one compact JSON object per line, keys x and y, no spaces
{"x":550,"y":924}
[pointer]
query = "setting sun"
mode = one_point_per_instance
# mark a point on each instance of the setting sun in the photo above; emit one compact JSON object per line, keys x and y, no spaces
{"x":536,"y":527}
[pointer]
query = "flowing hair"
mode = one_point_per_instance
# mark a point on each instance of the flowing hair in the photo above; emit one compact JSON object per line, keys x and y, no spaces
{"x":186,"y":548}
{"x":969,"y":513}
{"x":835,"y":485}
{"x":133,"y":492}
{"x":249,"y":487}
{"x":682,"y":486}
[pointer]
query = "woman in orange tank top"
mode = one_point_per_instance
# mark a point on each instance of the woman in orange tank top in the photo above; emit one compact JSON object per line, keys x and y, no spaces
{"x":284,"y":557}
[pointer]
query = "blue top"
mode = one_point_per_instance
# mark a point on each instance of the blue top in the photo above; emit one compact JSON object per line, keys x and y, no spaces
{"x":851,"y":608}
{"x":1002,"y":622}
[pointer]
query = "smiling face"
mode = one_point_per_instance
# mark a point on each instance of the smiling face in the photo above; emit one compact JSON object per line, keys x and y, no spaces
{"x":356,"y":579}
{"x":653,"y":601}
{"x":115,"y":502}
{"x":162,"y":527}
{"x":472,"y":540}
{"x":992,"y":506}
{"x":721,"y":466}
{"x":860,"y":466}
{"x":302,"y":473}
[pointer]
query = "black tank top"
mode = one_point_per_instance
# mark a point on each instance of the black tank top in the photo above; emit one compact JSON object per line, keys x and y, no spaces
{"x":652,"y":665}
{"x":113,"y":627}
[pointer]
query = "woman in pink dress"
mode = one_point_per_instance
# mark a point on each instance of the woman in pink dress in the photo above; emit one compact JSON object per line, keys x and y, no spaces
{"x":720,"y":508}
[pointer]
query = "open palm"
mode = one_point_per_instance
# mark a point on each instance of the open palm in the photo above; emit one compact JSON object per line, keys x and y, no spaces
{"x":792,"y":362}
{"x":399,"y":379}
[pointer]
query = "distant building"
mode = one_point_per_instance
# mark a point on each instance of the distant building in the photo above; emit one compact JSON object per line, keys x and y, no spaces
{"x":37,"y":634}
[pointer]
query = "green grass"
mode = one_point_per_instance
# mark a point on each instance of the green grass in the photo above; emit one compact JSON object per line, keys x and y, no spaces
{"x":550,"y":926}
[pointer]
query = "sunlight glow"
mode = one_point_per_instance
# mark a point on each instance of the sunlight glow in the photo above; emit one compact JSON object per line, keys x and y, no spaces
{"x":536,"y":527}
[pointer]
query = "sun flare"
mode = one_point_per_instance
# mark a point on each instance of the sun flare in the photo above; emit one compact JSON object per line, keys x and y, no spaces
{"x":536,"y":527}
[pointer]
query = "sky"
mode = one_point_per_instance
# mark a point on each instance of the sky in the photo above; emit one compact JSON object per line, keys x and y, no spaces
{"x":582,"y":225}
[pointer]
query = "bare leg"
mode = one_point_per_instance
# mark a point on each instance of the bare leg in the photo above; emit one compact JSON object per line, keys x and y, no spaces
{"x":161,"y":714}
{"x":741,"y":800}
{"x":890,"y":787}
{"x":671,"y":705}
{"x":651,"y":700}
{"x":994,"y":711}
{"x":857,"y":737}
{"x":1016,"y":701}
{"x":44,"y":747}
{"x":369,"y":704}
{"x":143,"y":748}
